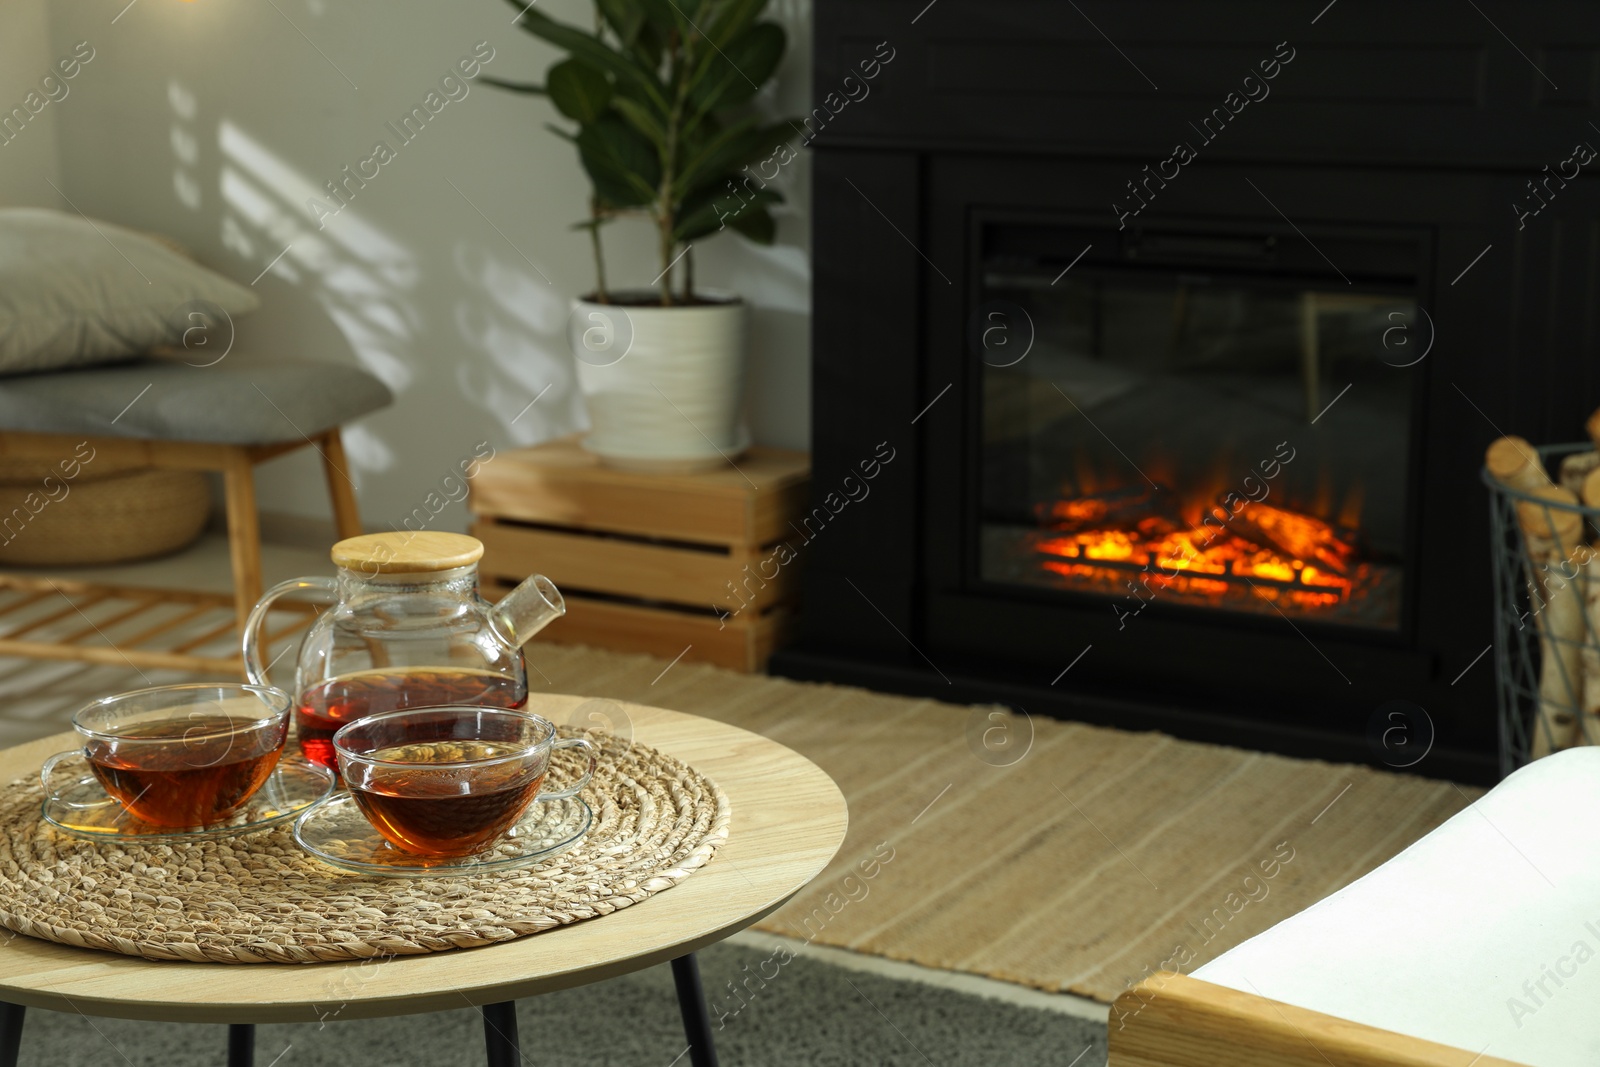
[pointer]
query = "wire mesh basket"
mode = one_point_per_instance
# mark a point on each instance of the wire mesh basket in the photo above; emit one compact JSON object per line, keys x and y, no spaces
{"x":1547,"y":616}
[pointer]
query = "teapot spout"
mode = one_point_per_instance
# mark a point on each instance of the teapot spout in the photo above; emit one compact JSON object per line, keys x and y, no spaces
{"x":526,"y":610}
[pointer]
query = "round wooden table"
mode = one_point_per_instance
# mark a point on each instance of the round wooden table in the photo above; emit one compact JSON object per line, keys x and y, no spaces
{"x":788,"y":821}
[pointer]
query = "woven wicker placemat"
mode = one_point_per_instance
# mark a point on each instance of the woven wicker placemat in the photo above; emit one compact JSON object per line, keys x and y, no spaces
{"x":258,"y":898}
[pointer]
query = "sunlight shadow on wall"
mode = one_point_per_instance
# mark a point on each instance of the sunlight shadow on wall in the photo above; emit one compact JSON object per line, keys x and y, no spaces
{"x":518,"y":325}
{"x":185,"y":145}
{"x":360,"y":276}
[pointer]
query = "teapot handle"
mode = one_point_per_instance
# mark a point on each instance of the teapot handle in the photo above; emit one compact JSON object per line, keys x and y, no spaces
{"x":254,"y":645}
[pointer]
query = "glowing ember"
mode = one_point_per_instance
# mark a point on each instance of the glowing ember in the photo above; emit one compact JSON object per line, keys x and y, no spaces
{"x":1284,"y":556}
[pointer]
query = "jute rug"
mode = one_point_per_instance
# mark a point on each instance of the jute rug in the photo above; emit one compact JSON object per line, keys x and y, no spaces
{"x":1050,"y":854}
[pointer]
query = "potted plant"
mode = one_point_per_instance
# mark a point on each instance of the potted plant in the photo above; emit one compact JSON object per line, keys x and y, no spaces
{"x":660,"y":92}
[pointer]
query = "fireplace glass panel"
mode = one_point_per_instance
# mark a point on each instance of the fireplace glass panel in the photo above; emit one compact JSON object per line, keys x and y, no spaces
{"x":1229,"y":439}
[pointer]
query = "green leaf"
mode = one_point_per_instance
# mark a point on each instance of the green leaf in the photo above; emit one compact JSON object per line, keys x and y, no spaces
{"x":620,"y":161}
{"x":516,"y":87}
{"x":578,"y":90}
{"x":738,"y":145}
{"x":625,"y":17}
{"x":717,"y":207}
{"x":649,"y":47}
{"x":735,"y":72}
{"x":632,"y":19}
{"x":645,"y":110}
{"x":696,"y":228}
{"x":663,"y":16}
{"x":642,"y":118}
{"x":594,"y":51}
{"x":696,"y":219}
{"x":731,"y":19}
{"x":756,"y":224}
{"x":698,"y":145}
{"x":640,"y":26}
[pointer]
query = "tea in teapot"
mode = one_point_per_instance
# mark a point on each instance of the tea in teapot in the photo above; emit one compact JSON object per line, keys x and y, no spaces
{"x":408,"y":630}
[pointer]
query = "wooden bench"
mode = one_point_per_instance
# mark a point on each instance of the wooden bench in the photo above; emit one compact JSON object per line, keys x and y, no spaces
{"x":165,"y":413}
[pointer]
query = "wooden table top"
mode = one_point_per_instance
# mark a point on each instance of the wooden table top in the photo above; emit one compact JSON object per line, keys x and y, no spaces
{"x":788,"y":820}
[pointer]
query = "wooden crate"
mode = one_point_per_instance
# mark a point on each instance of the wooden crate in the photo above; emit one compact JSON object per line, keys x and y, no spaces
{"x":700,"y":565}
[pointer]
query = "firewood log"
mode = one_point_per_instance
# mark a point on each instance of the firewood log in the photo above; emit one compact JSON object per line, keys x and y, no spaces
{"x":1562,"y":682}
{"x":1305,"y":538}
{"x":1593,"y":426}
{"x":1553,"y":533}
{"x":1587,"y":559}
{"x":1577,"y":467}
{"x":1515,"y":463}
{"x":1551,"y":527}
{"x":1591,"y":637}
{"x":1117,"y":509}
{"x":1589,"y":493}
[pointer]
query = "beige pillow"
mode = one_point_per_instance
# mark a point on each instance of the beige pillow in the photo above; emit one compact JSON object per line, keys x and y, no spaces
{"x":75,"y":292}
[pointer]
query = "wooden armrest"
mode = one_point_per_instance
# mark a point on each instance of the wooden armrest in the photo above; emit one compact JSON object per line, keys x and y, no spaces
{"x":1171,"y":1020}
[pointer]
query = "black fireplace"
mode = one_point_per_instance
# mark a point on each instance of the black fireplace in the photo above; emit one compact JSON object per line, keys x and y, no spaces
{"x":1187,"y":325}
{"x":1198,"y":414}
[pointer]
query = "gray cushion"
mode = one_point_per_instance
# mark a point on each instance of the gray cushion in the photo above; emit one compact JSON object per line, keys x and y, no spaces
{"x":75,"y":292}
{"x":238,"y":401}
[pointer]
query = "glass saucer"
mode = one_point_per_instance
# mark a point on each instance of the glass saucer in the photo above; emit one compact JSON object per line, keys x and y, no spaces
{"x":295,"y":785}
{"x":335,"y":832}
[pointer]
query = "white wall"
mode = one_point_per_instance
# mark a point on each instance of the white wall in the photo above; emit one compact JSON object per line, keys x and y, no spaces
{"x":214,"y":121}
{"x":28,"y":161}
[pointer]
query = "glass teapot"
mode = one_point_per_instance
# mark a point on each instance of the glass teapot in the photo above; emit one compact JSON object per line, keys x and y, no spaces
{"x":408,"y":630}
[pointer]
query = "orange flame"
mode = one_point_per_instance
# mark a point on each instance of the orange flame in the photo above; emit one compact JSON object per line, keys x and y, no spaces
{"x":1285,"y":556}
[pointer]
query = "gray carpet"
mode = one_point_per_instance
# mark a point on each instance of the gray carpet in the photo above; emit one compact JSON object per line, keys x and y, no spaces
{"x":812,"y":1014}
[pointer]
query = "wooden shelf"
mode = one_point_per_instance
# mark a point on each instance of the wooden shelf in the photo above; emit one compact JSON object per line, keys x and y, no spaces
{"x":129,"y":626}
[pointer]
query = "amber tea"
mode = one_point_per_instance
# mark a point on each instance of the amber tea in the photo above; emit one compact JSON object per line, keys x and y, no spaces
{"x":186,"y":771}
{"x":449,"y":782}
{"x":446,"y":810}
{"x":326,"y":707}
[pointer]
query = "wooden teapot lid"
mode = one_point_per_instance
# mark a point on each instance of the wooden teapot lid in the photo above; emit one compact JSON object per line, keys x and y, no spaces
{"x":404,"y":552}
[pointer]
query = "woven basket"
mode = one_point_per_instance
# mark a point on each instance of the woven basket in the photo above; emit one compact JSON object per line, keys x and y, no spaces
{"x":1547,"y":630}
{"x":33,"y":472}
{"x":124,"y":516}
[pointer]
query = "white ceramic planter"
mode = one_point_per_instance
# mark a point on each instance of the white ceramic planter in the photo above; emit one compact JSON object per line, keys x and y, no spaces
{"x":664,"y":386}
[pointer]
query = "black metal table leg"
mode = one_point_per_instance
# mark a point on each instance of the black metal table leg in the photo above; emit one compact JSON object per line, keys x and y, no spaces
{"x":696,"y":1019}
{"x":241,"y":1044}
{"x":500,"y":1034}
{"x":11,"y":1019}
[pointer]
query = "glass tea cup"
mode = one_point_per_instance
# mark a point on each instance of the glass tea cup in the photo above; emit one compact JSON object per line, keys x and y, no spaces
{"x":449,"y":782}
{"x":180,"y":755}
